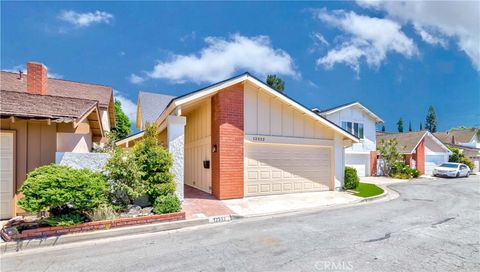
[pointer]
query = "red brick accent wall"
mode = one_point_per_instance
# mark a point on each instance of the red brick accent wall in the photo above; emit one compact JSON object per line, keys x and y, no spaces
{"x":373,"y":163}
{"x":420,"y":157}
{"x":227,"y":136}
{"x":37,"y":78}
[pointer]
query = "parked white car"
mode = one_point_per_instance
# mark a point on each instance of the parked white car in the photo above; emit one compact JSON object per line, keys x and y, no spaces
{"x":452,"y":169}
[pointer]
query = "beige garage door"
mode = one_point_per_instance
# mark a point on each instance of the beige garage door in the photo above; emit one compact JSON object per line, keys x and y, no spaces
{"x":279,"y":169}
{"x":6,"y":174}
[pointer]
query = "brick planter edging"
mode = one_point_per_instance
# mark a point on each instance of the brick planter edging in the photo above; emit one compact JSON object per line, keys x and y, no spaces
{"x":90,"y":226}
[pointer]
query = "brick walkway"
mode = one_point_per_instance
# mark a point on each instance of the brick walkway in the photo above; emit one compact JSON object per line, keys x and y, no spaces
{"x":197,"y":204}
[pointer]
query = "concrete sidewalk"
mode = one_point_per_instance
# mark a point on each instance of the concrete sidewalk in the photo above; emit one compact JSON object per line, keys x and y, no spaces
{"x":266,"y":205}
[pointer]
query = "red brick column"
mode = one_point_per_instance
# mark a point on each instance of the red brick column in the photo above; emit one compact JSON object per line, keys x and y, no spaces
{"x":227,"y":139}
{"x":420,"y":157}
{"x":373,"y":163}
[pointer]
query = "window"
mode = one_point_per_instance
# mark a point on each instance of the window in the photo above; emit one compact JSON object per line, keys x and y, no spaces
{"x":354,"y":128}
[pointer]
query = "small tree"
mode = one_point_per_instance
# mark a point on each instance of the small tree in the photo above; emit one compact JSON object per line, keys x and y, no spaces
{"x":431,"y":120}
{"x":122,"y":123}
{"x":459,"y":157}
{"x":276,"y":83}
{"x":154,"y":163}
{"x":410,"y":126}
{"x":400,"y":125}
{"x":421,"y":126}
{"x":383,"y":128}
{"x":389,"y":155}
{"x":124,"y":177}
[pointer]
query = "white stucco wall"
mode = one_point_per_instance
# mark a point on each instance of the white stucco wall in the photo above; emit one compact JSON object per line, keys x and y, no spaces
{"x":354,"y":114}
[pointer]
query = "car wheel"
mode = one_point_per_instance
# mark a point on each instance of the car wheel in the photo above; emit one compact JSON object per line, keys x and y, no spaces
{"x":467,"y":175}
{"x":458,"y":175}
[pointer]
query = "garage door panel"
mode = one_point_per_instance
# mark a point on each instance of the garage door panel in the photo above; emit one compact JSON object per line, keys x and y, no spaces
{"x":6,"y":174}
{"x":274,"y":169}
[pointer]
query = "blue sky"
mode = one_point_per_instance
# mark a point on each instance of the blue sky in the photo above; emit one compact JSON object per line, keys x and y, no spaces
{"x":396,"y":58}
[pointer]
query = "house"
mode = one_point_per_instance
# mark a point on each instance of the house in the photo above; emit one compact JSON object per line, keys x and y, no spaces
{"x":239,"y":138}
{"x":41,"y":119}
{"x":467,"y":140}
{"x":360,"y":121}
{"x":422,"y":150}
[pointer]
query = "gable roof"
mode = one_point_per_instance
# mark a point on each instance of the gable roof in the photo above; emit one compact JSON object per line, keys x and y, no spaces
{"x":150,"y":106}
{"x":407,"y":142}
{"x":454,"y":136}
{"x":348,"y":105}
{"x":212,"y":89}
{"x":64,"y":88}
{"x":54,"y":108}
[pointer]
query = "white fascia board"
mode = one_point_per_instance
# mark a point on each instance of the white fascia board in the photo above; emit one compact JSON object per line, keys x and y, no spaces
{"x":365,"y":109}
{"x":212,"y":90}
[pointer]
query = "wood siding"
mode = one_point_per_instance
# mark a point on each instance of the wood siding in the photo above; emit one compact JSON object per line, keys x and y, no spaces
{"x":35,"y":146}
{"x":267,"y":115}
{"x":197,"y":146}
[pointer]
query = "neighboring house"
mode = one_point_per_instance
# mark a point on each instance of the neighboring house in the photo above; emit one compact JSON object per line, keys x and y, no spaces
{"x":467,"y":140}
{"x":41,"y":119}
{"x":422,"y":150}
{"x":360,"y":121}
{"x":149,"y":107}
{"x":240,"y":138}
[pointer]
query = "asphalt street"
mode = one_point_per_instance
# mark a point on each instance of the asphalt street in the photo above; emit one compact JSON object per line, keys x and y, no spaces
{"x":432,"y":226}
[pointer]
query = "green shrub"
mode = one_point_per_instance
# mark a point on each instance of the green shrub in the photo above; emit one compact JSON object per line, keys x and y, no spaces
{"x":167,"y":204}
{"x":154,"y":163}
{"x":459,"y":157}
{"x":124,"y":177}
{"x":351,"y":178}
{"x":402,"y":171}
{"x":55,"y":186}
{"x":65,"y":219}
{"x":415,"y":173}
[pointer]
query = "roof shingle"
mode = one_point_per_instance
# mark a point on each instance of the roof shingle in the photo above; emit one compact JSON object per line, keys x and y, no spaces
{"x":58,"y":87}
{"x":57,"y":108}
{"x":406,"y":141}
{"x":152,"y":105}
{"x":455,"y":136}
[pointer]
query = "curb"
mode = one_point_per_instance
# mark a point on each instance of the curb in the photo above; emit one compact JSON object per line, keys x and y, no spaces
{"x":385,"y":194}
{"x":101,"y":234}
{"x":377,"y":197}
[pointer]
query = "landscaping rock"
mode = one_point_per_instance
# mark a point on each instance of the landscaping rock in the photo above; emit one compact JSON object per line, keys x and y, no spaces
{"x":132,"y":211}
{"x":146,"y":211}
{"x":142,"y":201}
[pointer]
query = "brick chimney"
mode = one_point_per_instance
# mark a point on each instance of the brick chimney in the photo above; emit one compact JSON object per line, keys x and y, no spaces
{"x":37,"y":78}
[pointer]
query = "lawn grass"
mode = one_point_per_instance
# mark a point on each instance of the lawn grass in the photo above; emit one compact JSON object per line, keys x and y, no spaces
{"x":367,"y":190}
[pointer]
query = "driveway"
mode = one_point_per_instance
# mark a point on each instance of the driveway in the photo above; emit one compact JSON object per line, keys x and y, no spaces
{"x":254,"y":206}
{"x":432,"y":226}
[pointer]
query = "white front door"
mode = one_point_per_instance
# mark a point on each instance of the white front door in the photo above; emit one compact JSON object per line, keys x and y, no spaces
{"x":280,"y":168}
{"x":7,"y":141}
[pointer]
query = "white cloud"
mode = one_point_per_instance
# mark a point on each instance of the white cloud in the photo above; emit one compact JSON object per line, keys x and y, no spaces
{"x":135,"y":79}
{"x":85,"y":19}
{"x":222,"y":57}
{"x":453,"y":19}
{"x":430,"y":38}
{"x":17,"y":68}
{"x":369,"y":39}
{"x":319,"y":39}
{"x":128,"y":106}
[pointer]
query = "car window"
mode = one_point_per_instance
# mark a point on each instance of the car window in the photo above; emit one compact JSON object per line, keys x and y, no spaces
{"x":449,"y":165}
